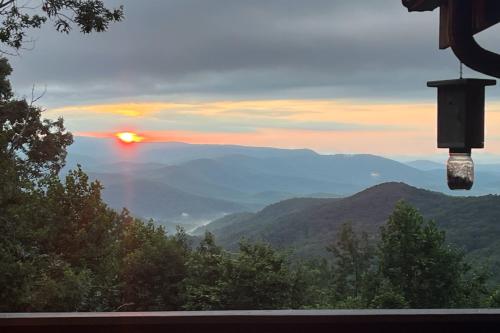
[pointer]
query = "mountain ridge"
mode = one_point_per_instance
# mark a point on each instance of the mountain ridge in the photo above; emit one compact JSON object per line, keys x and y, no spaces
{"x":246,"y":177}
{"x":470,"y":222}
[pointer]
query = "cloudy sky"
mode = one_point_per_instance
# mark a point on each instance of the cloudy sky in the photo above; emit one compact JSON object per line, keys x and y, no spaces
{"x":331,"y":75}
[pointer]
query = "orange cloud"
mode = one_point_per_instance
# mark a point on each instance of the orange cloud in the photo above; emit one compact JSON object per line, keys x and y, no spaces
{"x":412,"y":126}
{"x":292,"y":110}
{"x":122,"y":109}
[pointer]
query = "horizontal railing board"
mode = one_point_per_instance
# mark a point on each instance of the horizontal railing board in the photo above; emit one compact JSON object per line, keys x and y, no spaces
{"x":426,"y":321}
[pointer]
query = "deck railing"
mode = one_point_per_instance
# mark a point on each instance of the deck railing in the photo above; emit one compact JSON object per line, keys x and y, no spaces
{"x":423,"y":321}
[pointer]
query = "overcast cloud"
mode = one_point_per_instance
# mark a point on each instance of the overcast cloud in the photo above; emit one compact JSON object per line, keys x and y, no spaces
{"x":209,"y":49}
{"x":331,"y":75}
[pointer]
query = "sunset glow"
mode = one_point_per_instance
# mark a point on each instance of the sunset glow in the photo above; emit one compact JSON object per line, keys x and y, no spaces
{"x":323,"y":125}
{"x":129,"y":137}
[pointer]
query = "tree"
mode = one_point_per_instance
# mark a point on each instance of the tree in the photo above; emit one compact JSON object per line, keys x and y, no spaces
{"x":87,"y":15}
{"x":417,"y":264}
{"x":43,"y":264}
{"x":258,"y":278}
{"x":57,"y":286}
{"x":83,"y":231}
{"x":59,"y":248}
{"x":152,"y":269}
{"x":207,"y":276}
{"x":34,"y":146}
{"x":313,"y":286}
{"x":386,"y":296}
{"x":40,"y":268}
{"x":353,"y":258}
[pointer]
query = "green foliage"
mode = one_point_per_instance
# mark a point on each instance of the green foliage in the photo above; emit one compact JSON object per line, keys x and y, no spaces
{"x":57,"y":286}
{"x":75,"y":254}
{"x":37,"y":146}
{"x":353,"y":259}
{"x":207,"y":276}
{"x":493,"y":300}
{"x":413,"y":267}
{"x":387,"y":297}
{"x":417,"y":262}
{"x":83,"y":231}
{"x":88,"y":15}
{"x":258,"y":278}
{"x":153,"y":267}
{"x":313,"y":286}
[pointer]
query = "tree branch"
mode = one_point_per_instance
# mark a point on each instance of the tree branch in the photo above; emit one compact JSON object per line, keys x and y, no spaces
{"x":5,"y":4}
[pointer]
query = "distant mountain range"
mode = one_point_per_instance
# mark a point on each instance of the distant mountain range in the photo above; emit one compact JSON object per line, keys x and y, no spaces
{"x":98,"y":151}
{"x":180,"y":183}
{"x":306,"y":226}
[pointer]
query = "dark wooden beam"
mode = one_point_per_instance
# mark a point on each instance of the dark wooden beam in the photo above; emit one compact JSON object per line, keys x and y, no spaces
{"x":427,"y":321}
{"x":421,"y":5}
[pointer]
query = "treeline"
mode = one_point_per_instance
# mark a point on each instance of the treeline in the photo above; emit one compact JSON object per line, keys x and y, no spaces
{"x":63,"y":249}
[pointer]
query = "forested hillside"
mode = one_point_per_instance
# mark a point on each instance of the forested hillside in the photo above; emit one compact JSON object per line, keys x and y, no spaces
{"x":306,"y":226}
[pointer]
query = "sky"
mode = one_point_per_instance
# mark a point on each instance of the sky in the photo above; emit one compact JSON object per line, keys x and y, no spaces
{"x":336,"y":76}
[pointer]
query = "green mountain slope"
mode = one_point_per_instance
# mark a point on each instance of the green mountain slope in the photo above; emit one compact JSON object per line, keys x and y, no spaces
{"x":308,"y":225}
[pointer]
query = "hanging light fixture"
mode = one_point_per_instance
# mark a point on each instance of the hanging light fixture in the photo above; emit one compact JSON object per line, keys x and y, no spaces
{"x":461,"y":102}
{"x":460,"y":126}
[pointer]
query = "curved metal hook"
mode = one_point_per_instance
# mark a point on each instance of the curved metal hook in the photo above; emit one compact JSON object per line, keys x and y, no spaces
{"x":463,"y":43}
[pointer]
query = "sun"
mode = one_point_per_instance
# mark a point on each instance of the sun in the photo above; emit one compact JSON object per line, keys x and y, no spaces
{"x":128,"y":137}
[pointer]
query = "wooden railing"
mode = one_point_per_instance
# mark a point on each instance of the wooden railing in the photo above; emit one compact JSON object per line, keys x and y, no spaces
{"x":424,"y":321}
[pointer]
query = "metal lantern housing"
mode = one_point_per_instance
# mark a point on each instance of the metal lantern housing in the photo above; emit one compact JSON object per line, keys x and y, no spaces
{"x":461,"y":113}
{"x":460,"y":126}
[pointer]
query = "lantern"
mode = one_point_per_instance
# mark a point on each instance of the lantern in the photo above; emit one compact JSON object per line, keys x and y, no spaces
{"x":460,"y":126}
